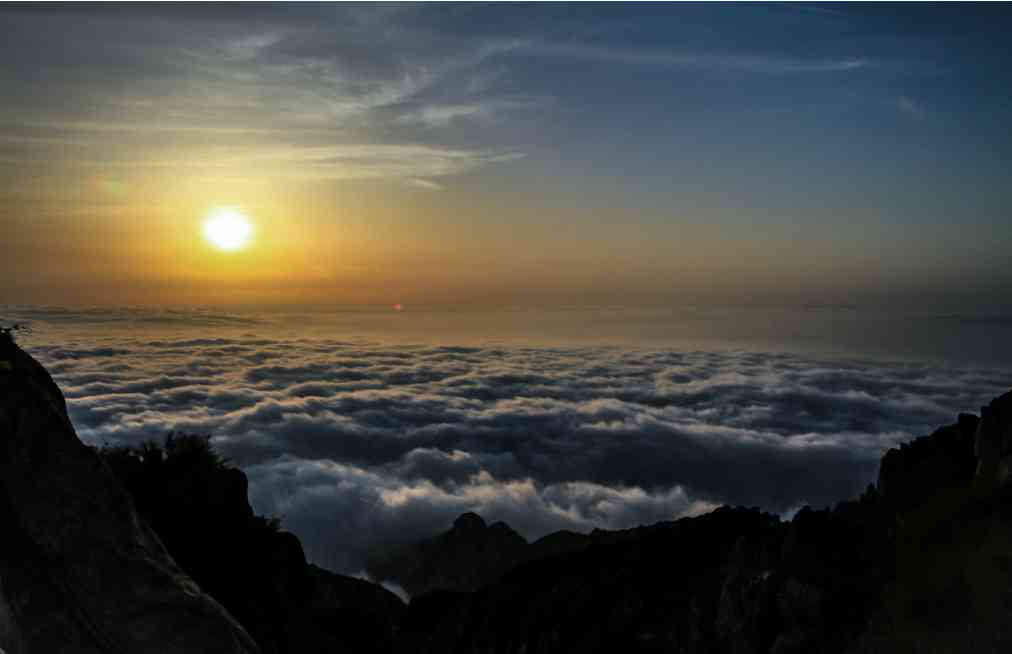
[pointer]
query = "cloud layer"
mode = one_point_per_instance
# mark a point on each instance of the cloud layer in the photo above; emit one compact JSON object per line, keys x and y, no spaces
{"x":359,"y":445}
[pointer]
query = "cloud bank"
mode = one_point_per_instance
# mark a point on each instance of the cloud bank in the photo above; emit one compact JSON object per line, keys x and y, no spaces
{"x":361,"y":445}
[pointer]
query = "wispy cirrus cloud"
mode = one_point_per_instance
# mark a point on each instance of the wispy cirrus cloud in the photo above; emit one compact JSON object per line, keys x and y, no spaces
{"x":364,"y":161}
{"x":268,"y":88}
{"x":704,"y":60}
{"x":301,"y":84}
{"x":350,"y":161}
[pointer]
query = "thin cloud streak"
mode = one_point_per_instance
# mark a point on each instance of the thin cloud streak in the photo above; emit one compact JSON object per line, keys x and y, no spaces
{"x":426,"y":184}
{"x":759,"y":64}
{"x":319,"y":162}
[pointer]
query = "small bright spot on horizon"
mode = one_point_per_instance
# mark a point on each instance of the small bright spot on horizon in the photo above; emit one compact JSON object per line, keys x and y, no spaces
{"x":227,"y":229}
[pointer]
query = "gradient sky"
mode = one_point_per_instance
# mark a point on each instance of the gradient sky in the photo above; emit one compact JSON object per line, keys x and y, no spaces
{"x":492,"y":154}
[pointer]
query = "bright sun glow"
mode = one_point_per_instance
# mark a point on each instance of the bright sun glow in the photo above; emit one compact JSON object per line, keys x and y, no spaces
{"x":227,"y":229}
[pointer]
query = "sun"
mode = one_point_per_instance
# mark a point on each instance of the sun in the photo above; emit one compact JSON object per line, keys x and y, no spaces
{"x":227,"y":229}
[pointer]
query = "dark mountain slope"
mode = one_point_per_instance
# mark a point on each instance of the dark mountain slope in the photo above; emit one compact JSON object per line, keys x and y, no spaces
{"x":80,"y":572}
{"x":919,"y":563}
{"x":198,"y":506}
{"x":465,"y":558}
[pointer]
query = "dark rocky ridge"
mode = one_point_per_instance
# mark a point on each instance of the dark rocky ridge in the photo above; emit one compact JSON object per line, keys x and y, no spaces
{"x":472,"y":555}
{"x":465,"y":558}
{"x":80,"y":573}
{"x":920,"y":562}
{"x":199,"y":508}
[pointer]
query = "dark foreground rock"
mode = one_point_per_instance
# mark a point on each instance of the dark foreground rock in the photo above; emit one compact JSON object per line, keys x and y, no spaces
{"x":120,"y":551}
{"x":198,"y":506}
{"x":80,"y":572}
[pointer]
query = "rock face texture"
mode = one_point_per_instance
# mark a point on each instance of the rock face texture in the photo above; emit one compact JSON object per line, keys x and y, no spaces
{"x":80,"y":573}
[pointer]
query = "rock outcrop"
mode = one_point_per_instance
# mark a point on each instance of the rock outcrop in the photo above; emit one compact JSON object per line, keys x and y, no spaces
{"x":472,"y":555}
{"x":465,"y":558}
{"x":916,"y":470}
{"x":80,"y":572}
{"x":199,"y":508}
{"x":993,"y":440}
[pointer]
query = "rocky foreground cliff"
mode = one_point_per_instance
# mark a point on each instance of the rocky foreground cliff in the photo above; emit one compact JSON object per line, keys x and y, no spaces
{"x":157,"y":550}
{"x":80,"y":572}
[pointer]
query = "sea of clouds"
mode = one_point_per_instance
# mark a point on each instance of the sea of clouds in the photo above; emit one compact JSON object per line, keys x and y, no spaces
{"x":358,"y":445}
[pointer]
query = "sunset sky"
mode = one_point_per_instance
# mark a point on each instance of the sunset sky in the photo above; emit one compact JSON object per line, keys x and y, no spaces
{"x":474,"y":154}
{"x":568,"y":266}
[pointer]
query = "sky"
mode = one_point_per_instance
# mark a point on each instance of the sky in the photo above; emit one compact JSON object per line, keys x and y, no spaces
{"x":507,"y":155}
{"x":568,"y":266}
